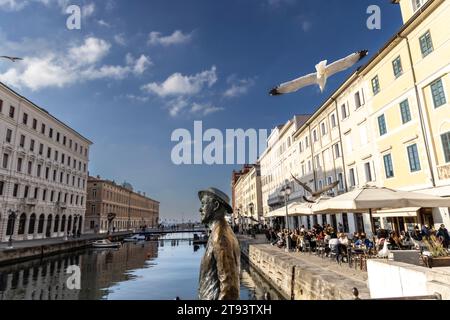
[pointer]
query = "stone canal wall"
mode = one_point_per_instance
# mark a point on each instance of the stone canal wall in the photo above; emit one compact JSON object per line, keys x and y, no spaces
{"x":303,"y":277}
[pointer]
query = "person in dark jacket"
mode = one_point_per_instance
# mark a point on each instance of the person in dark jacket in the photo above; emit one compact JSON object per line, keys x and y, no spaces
{"x":443,"y":235}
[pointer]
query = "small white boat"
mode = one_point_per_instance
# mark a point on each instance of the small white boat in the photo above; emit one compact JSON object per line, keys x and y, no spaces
{"x":105,"y":243}
{"x":135,"y":238}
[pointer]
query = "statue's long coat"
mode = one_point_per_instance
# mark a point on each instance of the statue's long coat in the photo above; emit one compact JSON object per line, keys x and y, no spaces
{"x":220,"y":268}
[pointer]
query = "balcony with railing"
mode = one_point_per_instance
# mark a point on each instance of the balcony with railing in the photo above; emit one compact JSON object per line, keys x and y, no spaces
{"x":28,"y":202}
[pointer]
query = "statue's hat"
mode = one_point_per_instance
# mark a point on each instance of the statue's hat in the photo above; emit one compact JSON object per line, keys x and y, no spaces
{"x":219,"y":195}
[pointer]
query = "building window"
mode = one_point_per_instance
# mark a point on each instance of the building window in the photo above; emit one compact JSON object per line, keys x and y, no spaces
{"x":341,"y":181}
{"x":324,"y":128}
{"x":300,"y":147}
{"x":388,"y":168}
{"x":368,"y":172}
{"x":25,"y":119}
{"x":315,"y":135}
{"x":344,"y":111}
{"x":30,"y":167}
{"x":426,"y":44}
{"x":437,"y":90}
{"x":1,"y":106}
{"x":8,"y":135}
{"x":16,"y":190}
{"x":397,"y":66}
{"x":317,"y":162}
{"x":417,"y":4}
{"x":333,"y":121}
{"x":41,"y":149}
{"x":19,"y":164}
{"x":345,"y":222}
{"x":50,"y":133}
{"x":375,"y":85}
{"x":5,"y":161}
{"x":413,"y":155}
{"x":382,"y":125}
{"x":306,"y":142}
{"x":39,"y":168}
{"x":32,"y":145}
{"x":22,"y":141}
{"x":12,"y":111}
{"x":49,"y":152}
{"x":2,"y":186}
{"x":34,"y":124}
{"x":405,"y":112}
{"x":446,"y":145}
{"x":357,"y":100}
{"x":43,"y":128}
{"x":337,"y":151}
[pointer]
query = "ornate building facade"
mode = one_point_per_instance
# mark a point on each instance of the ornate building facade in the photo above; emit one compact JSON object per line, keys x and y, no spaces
{"x":133,"y":210}
{"x":43,"y":172}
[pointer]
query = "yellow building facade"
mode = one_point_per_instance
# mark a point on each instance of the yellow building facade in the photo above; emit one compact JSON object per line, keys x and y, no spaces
{"x":387,"y":125}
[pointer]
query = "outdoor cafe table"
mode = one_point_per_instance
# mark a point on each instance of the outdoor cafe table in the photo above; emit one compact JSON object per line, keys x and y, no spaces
{"x":361,"y":251}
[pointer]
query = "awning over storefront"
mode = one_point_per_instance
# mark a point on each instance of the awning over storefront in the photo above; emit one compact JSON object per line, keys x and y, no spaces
{"x":300,"y":209}
{"x":400,"y":212}
{"x":294,"y":209}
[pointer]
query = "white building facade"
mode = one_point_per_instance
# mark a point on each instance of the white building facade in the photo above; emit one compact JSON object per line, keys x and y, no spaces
{"x":43,"y":172}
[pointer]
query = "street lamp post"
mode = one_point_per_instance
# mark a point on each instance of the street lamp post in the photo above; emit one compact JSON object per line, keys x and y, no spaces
{"x":11,"y":215}
{"x":285,"y":192}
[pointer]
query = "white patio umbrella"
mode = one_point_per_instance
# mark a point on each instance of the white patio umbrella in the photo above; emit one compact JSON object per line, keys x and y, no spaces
{"x":370,"y":197}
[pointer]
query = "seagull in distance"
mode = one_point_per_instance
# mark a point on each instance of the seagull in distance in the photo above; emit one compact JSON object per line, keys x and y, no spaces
{"x":324,"y":71}
{"x":13,"y":59}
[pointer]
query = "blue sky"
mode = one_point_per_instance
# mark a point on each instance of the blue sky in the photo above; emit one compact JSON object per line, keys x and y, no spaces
{"x":139,"y":69}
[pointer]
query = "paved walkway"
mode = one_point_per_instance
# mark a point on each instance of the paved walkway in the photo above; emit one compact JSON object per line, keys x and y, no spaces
{"x":50,"y":241}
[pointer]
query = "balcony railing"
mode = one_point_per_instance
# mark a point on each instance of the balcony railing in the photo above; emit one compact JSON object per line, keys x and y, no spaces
{"x":61,"y":205}
{"x":28,"y":202}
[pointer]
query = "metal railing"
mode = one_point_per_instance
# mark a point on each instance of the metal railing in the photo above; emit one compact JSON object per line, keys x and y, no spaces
{"x":435,"y":296}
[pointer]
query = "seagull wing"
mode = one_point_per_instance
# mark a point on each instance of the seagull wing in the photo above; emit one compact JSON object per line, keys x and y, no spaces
{"x":345,"y":63}
{"x":305,"y":186}
{"x":11,"y":58}
{"x":294,"y":85}
{"x":327,"y":188}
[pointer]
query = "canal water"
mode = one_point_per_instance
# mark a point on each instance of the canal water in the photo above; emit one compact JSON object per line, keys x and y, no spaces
{"x":152,"y":270}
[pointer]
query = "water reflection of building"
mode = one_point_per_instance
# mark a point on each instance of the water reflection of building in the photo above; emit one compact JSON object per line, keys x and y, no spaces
{"x":102,"y":269}
{"x":39,"y":280}
{"x":47,"y":279}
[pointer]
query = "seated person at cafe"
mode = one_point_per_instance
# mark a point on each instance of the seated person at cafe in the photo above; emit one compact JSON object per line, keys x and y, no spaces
{"x":363,"y":241}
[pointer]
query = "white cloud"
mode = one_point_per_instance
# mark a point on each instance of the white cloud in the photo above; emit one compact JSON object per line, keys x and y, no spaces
{"x":103,"y":23}
{"x":178,"y":84}
{"x":88,"y":10}
{"x":137,"y":98}
{"x":66,"y":67}
{"x":177,"y":37}
{"x":120,"y":39}
{"x":12,"y":5}
{"x":92,"y":50}
{"x":238,"y":87}
{"x":176,"y":106}
{"x":204,"y":109}
{"x":138,"y":65}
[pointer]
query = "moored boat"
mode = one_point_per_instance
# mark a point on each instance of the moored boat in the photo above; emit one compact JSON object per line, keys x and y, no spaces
{"x":105,"y":243}
{"x":135,"y":238}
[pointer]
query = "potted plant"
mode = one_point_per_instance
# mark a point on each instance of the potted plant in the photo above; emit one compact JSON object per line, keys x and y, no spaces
{"x":435,"y":255}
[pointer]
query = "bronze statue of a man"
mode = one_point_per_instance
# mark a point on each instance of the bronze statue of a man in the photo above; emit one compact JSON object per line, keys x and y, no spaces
{"x":220,"y":267}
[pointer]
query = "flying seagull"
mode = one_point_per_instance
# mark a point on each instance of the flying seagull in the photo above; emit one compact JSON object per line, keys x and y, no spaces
{"x":13,"y":59}
{"x":324,"y":71}
{"x":316,"y":194}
